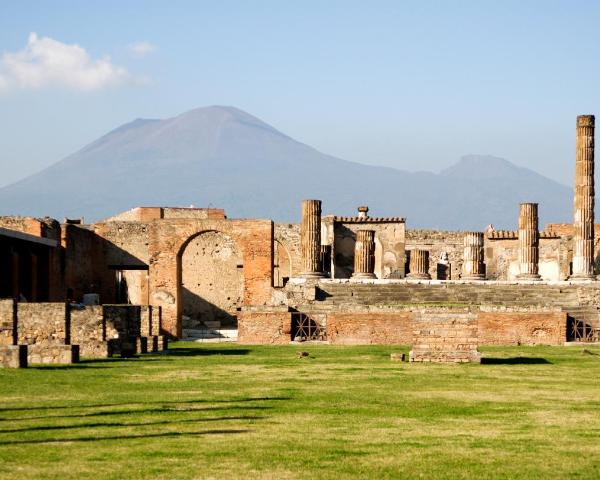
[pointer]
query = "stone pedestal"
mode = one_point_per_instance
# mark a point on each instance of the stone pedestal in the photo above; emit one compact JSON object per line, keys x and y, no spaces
{"x":473,"y":267}
{"x":310,"y":239}
{"x":583,"y":205}
{"x":13,"y":356}
{"x":419,"y":265}
{"x":364,"y":254}
{"x":528,"y":242}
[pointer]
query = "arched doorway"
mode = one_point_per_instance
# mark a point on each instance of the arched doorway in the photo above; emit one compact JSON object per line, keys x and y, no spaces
{"x":211,"y":281}
{"x":282,"y":265}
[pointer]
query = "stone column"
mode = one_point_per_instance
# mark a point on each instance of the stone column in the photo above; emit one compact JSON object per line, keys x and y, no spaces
{"x":529,"y":240}
{"x":364,"y":254}
{"x":419,"y":265}
{"x":473,"y":267}
{"x":310,"y":239}
{"x":583,"y":205}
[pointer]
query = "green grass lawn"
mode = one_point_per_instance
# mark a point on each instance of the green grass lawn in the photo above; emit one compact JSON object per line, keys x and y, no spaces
{"x":232,"y":411}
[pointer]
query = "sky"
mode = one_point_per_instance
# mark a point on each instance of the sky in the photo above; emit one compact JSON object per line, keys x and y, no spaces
{"x":408,"y":84}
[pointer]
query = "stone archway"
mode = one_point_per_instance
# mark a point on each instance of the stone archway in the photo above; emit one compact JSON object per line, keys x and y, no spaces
{"x":211,"y":281}
{"x":282,"y":264}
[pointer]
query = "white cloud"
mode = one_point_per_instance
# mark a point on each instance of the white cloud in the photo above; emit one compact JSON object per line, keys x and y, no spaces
{"x":47,"y":62}
{"x":141,"y":49}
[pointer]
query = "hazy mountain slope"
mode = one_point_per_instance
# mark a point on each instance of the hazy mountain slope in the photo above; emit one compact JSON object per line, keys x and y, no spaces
{"x":223,"y":157}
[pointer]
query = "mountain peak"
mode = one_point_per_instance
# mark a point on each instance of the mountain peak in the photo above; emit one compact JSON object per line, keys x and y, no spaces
{"x":482,"y":166}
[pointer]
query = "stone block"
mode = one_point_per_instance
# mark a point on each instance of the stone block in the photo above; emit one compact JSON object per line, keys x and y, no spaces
{"x":53,"y":354}
{"x":13,"y":356}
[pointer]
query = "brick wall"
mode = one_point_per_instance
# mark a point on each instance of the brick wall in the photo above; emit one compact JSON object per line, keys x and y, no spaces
{"x":522,"y":328}
{"x":369,"y":328}
{"x":264,"y":327}
{"x":444,"y":337}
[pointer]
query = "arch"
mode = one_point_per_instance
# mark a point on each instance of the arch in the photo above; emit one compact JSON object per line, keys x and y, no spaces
{"x":282,"y":264}
{"x":210,"y":280}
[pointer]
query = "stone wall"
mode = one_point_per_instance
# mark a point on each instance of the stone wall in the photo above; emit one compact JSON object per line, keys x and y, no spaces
{"x":502,"y":258}
{"x":7,"y":321}
{"x":287,"y":256}
{"x":88,"y":330}
{"x":212,"y":281}
{"x":436,"y":242}
{"x":340,"y":232}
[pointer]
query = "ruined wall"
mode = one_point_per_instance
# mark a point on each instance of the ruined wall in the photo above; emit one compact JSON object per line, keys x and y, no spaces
{"x":212,"y":280}
{"x":82,"y":261}
{"x":389,"y":244}
{"x":88,"y":330}
{"x":29,"y":225}
{"x":502,"y":258}
{"x":146,"y":214}
{"x":522,"y":328}
{"x":6,"y":321}
{"x":273,"y":327}
{"x":449,"y":336}
{"x":287,"y":255}
{"x":167,"y":240}
{"x":436,"y":242}
{"x":369,"y":328}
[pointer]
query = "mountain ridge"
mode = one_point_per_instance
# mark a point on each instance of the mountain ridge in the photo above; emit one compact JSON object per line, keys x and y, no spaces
{"x":228,"y":158}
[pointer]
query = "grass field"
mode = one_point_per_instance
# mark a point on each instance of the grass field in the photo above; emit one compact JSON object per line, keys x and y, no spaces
{"x":231,"y":411}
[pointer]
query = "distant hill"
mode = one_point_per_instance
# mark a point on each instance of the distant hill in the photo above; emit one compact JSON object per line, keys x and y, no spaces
{"x":224,"y":157}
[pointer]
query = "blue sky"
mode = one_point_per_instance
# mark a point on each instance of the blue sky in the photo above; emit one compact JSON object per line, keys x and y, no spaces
{"x":413,"y":85}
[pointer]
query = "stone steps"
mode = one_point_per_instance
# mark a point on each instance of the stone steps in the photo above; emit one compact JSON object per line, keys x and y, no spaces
{"x":209,"y":334}
{"x":348,"y":294}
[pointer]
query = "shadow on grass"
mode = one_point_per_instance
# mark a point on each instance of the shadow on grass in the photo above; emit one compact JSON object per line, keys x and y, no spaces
{"x":155,"y":402}
{"x":145,"y":410}
{"x":200,"y":352}
{"x":515,"y":361}
{"x":130,"y":424}
{"x":122,"y":437}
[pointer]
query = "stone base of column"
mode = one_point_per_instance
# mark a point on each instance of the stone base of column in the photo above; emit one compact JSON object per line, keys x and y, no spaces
{"x":479,"y":277}
{"x":580,"y":277}
{"x":363,"y":276}
{"x":529,"y":277}
{"x":418,"y":276}
{"x":312,"y":275}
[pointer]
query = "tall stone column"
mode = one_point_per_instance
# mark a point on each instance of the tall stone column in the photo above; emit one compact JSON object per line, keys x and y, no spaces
{"x":583,"y":205}
{"x":364,"y":254}
{"x":418,"y":265}
{"x":310,"y":239}
{"x":473,"y":267}
{"x":529,"y":241}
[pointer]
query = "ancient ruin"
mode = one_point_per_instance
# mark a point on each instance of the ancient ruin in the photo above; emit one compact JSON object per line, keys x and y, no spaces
{"x":125,"y":284}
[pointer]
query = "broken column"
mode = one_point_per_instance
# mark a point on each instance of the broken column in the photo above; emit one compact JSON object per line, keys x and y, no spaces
{"x":473,"y":267}
{"x":419,"y":265}
{"x":583,"y":205}
{"x":310,"y":239}
{"x":528,"y":242}
{"x":364,"y":254}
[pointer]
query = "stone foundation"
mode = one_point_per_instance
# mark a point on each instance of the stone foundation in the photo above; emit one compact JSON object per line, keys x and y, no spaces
{"x":444,"y":337}
{"x":59,"y":354}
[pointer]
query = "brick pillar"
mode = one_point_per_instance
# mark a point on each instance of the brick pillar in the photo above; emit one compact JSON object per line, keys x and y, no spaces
{"x":529,"y":240}
{"x":473,"y":267}
{"x":419,"y":265}
{"x":310,"y":239}
{"x":583,"y":205}
{"x":364,"y":254}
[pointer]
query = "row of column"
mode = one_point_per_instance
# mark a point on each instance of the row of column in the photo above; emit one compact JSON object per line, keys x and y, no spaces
{"x":473,"y":263}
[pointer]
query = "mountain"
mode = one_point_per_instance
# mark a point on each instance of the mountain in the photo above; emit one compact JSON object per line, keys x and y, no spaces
{"x":224,"y":157}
